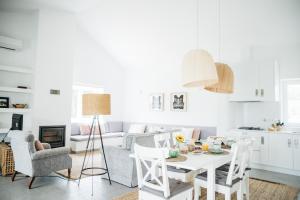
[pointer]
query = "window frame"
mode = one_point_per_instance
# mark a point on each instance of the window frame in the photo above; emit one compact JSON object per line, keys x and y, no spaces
{"x":284,"y":101}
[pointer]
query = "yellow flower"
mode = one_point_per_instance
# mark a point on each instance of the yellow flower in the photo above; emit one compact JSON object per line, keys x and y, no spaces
{"x":180,"y":138}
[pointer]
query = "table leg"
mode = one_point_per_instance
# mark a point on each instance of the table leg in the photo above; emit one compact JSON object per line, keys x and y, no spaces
{"x":211,"y":183}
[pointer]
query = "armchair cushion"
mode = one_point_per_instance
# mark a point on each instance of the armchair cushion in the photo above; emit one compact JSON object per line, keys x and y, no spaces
{"x":46,"y":145}
{"x":49,"y":153}
{"x":38,"y":145}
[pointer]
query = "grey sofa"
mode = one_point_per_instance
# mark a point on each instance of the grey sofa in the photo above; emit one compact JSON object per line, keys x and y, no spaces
{"x":34,"y":163}
{"x":122,"y":168}
{"x":112,"y":134}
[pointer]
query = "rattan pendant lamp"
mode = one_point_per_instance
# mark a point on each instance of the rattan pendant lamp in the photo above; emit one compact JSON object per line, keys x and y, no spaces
{"x":198,"y":67}
{"x":225,"y":74}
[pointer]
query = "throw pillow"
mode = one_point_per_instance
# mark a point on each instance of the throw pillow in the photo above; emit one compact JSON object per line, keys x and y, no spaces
{"x":85,"y":129}
{"x":137,"y":128}
{"x":188,"y":133}
{"x":196,"y":134}
{"x":38,"y":145}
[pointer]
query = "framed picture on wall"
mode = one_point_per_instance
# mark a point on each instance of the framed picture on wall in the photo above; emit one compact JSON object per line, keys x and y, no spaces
{"x":178,"y":101}
{"x":157,"y":102}
{"x":4,"y":102}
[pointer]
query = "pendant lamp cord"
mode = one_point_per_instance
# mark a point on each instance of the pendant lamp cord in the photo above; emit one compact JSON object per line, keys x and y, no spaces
{"x":197,"y":25}
{"x":219,"y":26}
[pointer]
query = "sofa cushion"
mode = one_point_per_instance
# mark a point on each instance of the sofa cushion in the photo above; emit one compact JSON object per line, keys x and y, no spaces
{"x":137,"y":128}
{"x":114,"y":126}
{"x":188,"y":133}
{"x":75,"y":129}
{"x":85,"y":129}
{"x":197,"y":134}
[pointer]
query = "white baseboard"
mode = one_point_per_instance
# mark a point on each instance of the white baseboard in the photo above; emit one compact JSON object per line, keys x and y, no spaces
{"x":275,"y":169}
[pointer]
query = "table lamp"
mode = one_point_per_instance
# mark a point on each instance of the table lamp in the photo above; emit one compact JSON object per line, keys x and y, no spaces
{"x":95,"y":105}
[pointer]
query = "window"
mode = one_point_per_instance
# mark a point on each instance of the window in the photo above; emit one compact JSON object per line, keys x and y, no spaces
{"x":291,"y":102}
{"x":78,"y":91}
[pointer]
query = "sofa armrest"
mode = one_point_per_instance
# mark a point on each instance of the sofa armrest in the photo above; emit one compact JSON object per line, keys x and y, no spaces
{"x":50,"y":153}
{"x":46,"y":145}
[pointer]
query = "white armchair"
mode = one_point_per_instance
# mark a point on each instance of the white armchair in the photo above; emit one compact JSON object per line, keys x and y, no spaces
{"x":34,"y":163}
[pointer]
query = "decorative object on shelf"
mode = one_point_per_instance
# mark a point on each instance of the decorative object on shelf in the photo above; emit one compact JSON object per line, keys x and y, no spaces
{"x":198,"y":67}
{"x":55,"y":92}
{"x":157,"y":102}
{"x":178,"y":101}
{"x":20,"y":106}
{"x":225,"y":74}
{"x":225,"y":83}
{"x":4,"y":102}
{"x":95,"y":105}
{"x":276,"y":126}
{"x":22,"y":87}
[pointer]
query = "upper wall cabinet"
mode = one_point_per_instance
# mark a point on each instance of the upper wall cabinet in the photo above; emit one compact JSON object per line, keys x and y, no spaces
{"x":256,"y":81}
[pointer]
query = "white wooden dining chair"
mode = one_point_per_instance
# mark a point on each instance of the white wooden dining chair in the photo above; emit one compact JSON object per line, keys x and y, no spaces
{"x":227,"y":182}
{"x":147,"y":159}
{"x":185,"y":175}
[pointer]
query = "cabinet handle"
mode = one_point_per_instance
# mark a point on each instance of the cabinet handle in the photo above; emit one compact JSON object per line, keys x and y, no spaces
{"x":289,"y":142}
{"x":256,"y":92}
{"x":262,"y":140}
{"x":262,"y":92}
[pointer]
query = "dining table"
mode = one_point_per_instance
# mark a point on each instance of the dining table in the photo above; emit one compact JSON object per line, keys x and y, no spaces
{"x":203,"y":161}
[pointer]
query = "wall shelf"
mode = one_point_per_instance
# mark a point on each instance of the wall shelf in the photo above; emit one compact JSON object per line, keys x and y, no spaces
{"x":15,"y":90}
{"x":22,"y":70}
{"x":14,"y":110}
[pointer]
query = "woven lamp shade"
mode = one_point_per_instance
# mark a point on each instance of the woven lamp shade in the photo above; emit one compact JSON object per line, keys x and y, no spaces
{"x":198,"y":69}
{"x":96,"y":104}
{"x":226,"y":79}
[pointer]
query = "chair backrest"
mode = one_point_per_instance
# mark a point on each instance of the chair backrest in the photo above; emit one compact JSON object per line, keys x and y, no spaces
{"x":162,"y":140}
{"x":149,"y":159}
{"x":22,"y":145}
{"x":239,"y":161}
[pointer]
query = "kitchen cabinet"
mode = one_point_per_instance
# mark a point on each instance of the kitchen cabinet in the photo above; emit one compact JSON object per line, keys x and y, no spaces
{"x":260,"y":146}
{"x":296,"y":152}
{"x":259,"y":151}
{"x":281,"y":150}
{"x":256,"y":81}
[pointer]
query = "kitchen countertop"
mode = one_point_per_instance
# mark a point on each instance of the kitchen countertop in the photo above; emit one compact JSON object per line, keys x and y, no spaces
{"x":268,"y":132}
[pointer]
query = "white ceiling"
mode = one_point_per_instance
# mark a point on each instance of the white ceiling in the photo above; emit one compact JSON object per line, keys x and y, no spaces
{"x":155,"y":34}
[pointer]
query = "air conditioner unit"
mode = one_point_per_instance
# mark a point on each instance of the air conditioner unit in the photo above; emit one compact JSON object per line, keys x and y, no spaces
{"x":10,"y":43}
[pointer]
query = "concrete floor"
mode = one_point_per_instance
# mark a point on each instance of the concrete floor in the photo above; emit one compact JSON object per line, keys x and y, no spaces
{"x":53,"y":188}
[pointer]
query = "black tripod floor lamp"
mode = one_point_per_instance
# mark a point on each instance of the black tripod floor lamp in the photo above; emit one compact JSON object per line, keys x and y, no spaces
{"x":94,"y":105}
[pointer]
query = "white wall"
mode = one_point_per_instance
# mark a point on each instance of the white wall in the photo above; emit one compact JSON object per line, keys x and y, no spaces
{"x":23,"y":26}
{"x":94,"y":66}
{"x":54,"y":61}
{"x":250,"y":29}
{"x":203,"y":109}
